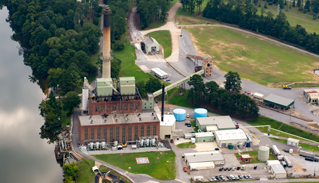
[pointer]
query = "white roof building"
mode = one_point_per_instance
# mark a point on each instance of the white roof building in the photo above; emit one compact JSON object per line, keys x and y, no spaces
{"x":224,"y":137}
{"x":159,"y":73}
{"x":278,"y":171}
{"x":272,"y":162}
{"x":204,"y":157}
{"x":167,"y":126}
{"x":292,"y":142}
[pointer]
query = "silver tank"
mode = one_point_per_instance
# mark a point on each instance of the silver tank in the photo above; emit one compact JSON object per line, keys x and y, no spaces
{"x":103,"y":145}
{"x":142,"y":142}
{"x":147,"y":142}
{"x":97,"y":144}
{"x":91,"y":145}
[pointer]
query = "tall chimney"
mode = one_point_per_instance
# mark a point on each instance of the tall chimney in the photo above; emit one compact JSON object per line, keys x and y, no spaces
{"x":163,"y":94}
{"x":106,"y":57}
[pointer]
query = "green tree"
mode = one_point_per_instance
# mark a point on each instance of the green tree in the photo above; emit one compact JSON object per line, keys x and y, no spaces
{"x":210,"y":87}
{"x":141,"y":88}
{"x":307,"y":5}
{"x":115,"y":68}
{"x":233,"y":82}
{"x":70,"y":101}
{"x":71,"y":170}
{"x":152,"y":85}
{"x":54,"y":78}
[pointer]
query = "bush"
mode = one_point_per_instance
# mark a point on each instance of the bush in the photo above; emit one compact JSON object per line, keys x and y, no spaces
{"x":265,"y":6}
{"x":304,"y":11}
{"x":96,"y":21}
{"x":270,"y":3}
{"x":118,"y":45}
{"x":259,"y":5}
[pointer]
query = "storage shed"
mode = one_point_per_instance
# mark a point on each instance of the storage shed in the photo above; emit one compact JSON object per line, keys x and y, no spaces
{"x":151,"y":45}
{"x":200,"y":157}
{"x":224,"y":137}
{"x":245,"y":158}
{"x":222,"y":122}
{"x":293,"y":142}
{"x":159,"y":73}
{"x":278,"y":171}
{"x":167,"y":126}
{"x":279,"y":101}
{"x":204,"y":137}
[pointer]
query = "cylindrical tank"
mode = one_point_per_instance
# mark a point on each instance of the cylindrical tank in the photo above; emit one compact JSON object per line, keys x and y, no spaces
{"x":142,"y":142}
{"x":263,"y":153}
{"x":85,"y":96}
{"x":115,"y":143}
{"x":153,"y":142}
{"x":200,"y":112}
{"x":179,"y":114}
{"x":91,"y":145}
{"x":103,"y":145}
{"x":147,"y":142}
{"x":97,"y":145}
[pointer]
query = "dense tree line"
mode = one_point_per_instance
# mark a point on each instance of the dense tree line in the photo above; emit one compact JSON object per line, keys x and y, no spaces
{"x":245,"y":15}
{"x":190,"y":5}
{"x":227,"y":102}
{"x":58,"y":37}
{"x":151,"y":11}
{"x":150,"y":86}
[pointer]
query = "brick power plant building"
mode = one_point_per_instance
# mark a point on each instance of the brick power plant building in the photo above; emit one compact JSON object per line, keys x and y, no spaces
{"x":114,"y":110}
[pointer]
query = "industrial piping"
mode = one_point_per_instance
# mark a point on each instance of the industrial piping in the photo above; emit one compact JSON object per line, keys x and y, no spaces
{"x":163,"y":95}
{"x":106,"y":57}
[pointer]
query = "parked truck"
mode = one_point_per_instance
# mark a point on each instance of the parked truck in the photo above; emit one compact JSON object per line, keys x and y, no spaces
{"x":276,"y":150}
{"x":258,"y":96}
{"x":306,"y":153}
{"x":288,"y":162}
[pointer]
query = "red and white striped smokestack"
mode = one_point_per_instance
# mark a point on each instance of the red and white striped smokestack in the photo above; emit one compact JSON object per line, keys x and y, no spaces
{"x":106,"y":43}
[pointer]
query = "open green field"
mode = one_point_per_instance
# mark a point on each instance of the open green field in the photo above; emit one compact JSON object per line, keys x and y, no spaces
{"x":164,"y":38}
{"x":252,"y":57}
{"x":161,"y":164}
{"x":186,"y":145}
{"x":254,"y":155}
{"x":303,"y":145}
{"x":295,"y":17}
{"x":86,"y":174}
{"x":261,"y":120}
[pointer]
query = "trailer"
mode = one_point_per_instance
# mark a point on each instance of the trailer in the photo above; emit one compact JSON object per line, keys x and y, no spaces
{"x":288,"y":162}
{"x":306,"y":153}
{"x":276,"y":150}
{"x":159,"y":73}
{"x":258,"y":96}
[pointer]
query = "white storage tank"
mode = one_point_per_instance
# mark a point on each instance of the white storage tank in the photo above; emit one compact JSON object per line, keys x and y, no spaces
{"x":263,"y":153}
{"x":258,"y":95}
{"x":179,"y":114}
{"x":200,"y":112}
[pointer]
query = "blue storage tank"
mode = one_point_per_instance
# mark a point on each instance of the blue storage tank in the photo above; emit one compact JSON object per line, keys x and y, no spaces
{"x":247,"y":144}
{"x":179,"y":114}
{"x":200,"y":112}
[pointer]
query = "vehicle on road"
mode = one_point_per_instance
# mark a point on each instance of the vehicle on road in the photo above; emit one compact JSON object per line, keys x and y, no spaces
{"x":189,"y":125}
{"x":286,"y":87}
{"x":184,"y":169}
{"x":210,"y":179}
{"x":221,"y":169}
{"x":187,"y":115}
{"x":249,"y":176}
{"x":243,"y":167}
{"x":234,"y":168}
{"x":216,"y":148}
{"x":245,"y":177}
{"x":168,"y":80}
{"x":214,"y":179}
{"x":240,"y":177}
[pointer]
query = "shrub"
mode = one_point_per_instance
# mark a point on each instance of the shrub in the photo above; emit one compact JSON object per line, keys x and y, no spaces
{"x":270,"y":3}
{"x":118,"y":45}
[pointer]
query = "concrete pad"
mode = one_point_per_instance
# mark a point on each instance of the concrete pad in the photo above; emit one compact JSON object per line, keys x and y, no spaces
{"x":144,"y":68}
{"x":181,"y":140}
{"x":205,"y":146}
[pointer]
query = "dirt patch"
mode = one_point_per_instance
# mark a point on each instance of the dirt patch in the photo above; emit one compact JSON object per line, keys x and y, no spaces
{"x":275,"y":63}
{"x":298,"y":168}
{"x":200,"y":28}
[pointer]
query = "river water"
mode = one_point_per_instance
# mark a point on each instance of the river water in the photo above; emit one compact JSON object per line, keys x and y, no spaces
{"x":24,"y":156}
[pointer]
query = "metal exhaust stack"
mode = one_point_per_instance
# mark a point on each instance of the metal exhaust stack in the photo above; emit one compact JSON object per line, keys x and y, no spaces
{"x":106,"y":57}
{"x":163,"y":94}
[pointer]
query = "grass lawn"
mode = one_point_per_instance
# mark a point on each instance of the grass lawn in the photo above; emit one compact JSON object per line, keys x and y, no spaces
{"x":253,"y":58}
{"x":86,"y":174}
{"x":254,"y":155}
{"x":162,"y":164}
{"x":295,"y":17}
{"x":163,"y":38}
{"x":186,"y":145}
{"x":285,"y":128}
{"x":303,"y":145}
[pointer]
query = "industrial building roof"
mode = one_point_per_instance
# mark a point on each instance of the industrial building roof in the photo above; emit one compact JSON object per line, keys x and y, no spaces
{"x":245,"y":156}
{"x":89,"y":120}
{"x":282,"y":101}
{"x":204,"y":134}
{"x":211,"y":128}
{"x":149,"y":40}
{"x":204,"y":157}
{"x":201,"y":164}
{"x":222,"y":122}
{"x":230,"y":134}
{"x":127,"y":80}
{"x":169,"y":120}
{"x":278,"y":169}
{"x":272,"y":162}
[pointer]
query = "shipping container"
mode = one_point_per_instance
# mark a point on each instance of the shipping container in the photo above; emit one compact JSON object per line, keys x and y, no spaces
{"x":289,"y":163}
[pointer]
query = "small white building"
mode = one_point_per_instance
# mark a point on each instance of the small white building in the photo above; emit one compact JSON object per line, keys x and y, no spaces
{"x":224,"y":137}
{"x":204,"y":137}
{"x":167,"y":126}
{"x":293,"y":142}
{"x":159,"y":73}
{"x":278,"y":171}
{"x":151,"y":45}
{"x":203,"y":159}
{"x":272,"y":162}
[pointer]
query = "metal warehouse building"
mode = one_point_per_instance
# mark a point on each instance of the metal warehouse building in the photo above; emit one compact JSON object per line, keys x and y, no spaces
{"x":224,"y":137}
{"x":221,"y":122}
{"x":159,"y":73}
{"x":204,"y":160}
{"x":279,"y":101}
{"x":278,"y":171}
{"x":204,"y":137}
